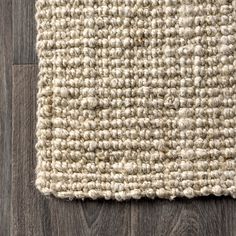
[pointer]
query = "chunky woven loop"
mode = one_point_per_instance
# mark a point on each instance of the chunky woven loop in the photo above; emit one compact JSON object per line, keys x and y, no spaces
{"x":137,"y":98}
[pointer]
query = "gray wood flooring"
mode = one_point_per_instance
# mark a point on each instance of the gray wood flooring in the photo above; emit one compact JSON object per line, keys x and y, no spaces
{"x":24,"y":211}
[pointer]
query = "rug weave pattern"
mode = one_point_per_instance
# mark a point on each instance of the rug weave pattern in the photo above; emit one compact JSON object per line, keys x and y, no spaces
{"x":136,"y":98}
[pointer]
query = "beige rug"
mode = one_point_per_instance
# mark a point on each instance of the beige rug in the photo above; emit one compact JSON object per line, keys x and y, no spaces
{"x":137,"y":98}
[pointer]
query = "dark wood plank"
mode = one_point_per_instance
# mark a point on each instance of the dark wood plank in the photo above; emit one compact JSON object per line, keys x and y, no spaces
{"x":164,"y":217}
{"x":89,"y":217}
{"x":217,"y":215}
{"x":24,"y":31}
{"x":228,"y":206}
{"x":197,"y":217}
{"x":34,"y":214}
{"x":30,"y":211}
{"x":5,"y":114}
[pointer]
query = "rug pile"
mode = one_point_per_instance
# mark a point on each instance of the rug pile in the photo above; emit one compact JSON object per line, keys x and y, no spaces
{"x":136,"y":98}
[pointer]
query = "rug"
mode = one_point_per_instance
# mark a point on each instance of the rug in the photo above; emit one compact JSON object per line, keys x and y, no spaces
{"x":136,"y":98}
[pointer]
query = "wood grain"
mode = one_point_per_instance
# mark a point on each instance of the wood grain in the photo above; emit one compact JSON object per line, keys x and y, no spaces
{"x":200,"y":216}
{"x":5,"y":114}
{"x":30,"y":212}
{"x":90,"y":218}
{"x":164,"y":217}
{"x":24,"y":32}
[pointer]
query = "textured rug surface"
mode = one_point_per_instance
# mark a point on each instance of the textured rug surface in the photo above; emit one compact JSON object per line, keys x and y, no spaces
{"x":137,"y":98}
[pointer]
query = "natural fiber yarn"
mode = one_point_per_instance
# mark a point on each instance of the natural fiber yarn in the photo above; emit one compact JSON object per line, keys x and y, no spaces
{"x":137,"y":98}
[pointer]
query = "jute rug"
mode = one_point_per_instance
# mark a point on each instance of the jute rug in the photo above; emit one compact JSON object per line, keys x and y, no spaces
{"x":137,"y":98}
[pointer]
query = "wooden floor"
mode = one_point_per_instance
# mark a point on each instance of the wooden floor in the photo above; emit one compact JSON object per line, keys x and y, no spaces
{"x":24,"y":211}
